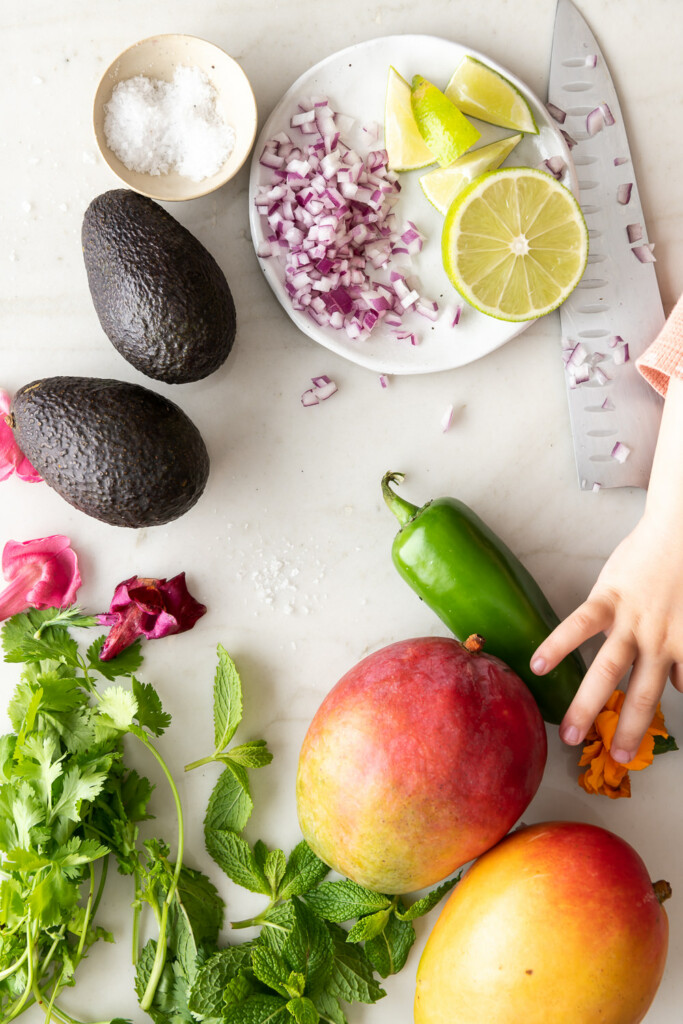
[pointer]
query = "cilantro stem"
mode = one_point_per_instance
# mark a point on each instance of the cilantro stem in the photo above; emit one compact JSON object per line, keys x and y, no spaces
{"x":14,"y":967}
{"x":160,"y":956}
{"x":19,"y":1004}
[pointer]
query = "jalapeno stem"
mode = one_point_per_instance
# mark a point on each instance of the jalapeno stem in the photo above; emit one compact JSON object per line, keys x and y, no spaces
{"x":402,"y":509}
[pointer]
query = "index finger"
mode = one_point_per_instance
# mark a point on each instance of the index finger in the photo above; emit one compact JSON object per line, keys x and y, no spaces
{"x":591,"y":617}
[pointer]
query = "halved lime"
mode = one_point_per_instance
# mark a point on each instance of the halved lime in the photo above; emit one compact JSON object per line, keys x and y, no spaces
{"x":443,"y":127}
{"x":406,"y":148}
{"x":515,"y":243}
{"x":442,"y":185}
{"x":478,"y":90}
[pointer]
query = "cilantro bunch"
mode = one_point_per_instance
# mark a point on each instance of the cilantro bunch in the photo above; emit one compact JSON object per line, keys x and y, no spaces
{"x":69,"y":803}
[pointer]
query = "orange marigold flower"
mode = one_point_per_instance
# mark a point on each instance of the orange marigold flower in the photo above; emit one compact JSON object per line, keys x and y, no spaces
{"x":604,"y":774}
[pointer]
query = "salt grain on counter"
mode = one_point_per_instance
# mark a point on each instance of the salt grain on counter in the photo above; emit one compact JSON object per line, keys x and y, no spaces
{"x":154,"y":127}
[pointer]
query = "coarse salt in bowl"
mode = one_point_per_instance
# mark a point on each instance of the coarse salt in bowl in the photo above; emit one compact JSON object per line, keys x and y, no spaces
{"x":174,"y":117}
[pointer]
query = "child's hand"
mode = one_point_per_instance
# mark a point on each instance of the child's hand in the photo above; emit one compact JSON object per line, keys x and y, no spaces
{"x":637,"y":602}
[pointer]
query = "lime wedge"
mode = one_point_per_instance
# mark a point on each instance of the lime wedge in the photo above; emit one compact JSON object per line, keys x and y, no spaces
{"x":515,"y":243}
{"x":443,"y":127}
{"x":481,"y":92}
{"x":442,"y":185}
{"x":406,"y":148}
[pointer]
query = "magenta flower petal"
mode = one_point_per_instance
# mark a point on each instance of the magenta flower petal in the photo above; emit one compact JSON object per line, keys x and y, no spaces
{"x":41,"y":573}
{"x":12,"y":460}
{"x":148,"y":607}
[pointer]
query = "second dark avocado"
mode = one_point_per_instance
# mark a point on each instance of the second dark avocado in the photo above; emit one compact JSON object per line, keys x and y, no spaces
{"x":160,"y":296}
{"x":116,"y":451}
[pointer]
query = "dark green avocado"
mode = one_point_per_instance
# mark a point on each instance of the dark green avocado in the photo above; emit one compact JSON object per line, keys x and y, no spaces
{"x":160,"y":296}
{"x":116,"y":451}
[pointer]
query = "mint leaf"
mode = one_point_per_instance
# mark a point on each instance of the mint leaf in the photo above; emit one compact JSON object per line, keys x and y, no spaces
{"x":303,"y":1010}
{"x":213,"y":977}
{"x":352,"y":978}
{"x":270,"y":969}
{"x":274,"y":868}
{"x":124,"y":664}
{"x":388,"y":951}
{"x":254,"y":754}
{"x":235,"y":857}
{"x":260,"y":1009}
{"x":429,"y":901}
{"x":345,"y":900}
{"x":227,"y":700}
{"x":308,"y":947}
{"x":304,"y":871}
{"x":369,"y":927}
{"x":202,"y":904}
{"x":238,"y":990}
{"x":230,"y":804}
{"x":329,"y":1008}
{"x":150,"y":713}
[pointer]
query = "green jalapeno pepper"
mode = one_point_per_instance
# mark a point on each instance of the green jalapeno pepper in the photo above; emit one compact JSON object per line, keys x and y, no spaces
{"x":475,"y":584}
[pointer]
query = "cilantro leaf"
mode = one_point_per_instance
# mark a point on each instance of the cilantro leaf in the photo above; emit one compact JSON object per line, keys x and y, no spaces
{"x":124,"y":664}
{"x":150,"y":713}
{"x":117,"y":708}
{"x":344,"y":900}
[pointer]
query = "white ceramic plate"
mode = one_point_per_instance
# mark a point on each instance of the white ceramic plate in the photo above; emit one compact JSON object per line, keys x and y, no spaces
{"x":354,"y":81}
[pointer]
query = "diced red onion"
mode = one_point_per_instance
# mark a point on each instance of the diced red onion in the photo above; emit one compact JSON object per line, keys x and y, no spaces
{"x":557,"y":113}
{"x":596,"y":486}
{"x":615,"y":340}
{"x":624,"y":193}
{"x":619,"y":160}
{"x":621,"y":355}
{"x":556,"y":166}
{"x":607,"y":114}
{"x":330,"y":219}
{"x":634,"y":232}
{"x":644,"y":253}
{"x":457,"y":313}
{"x":620,"y":452}
{"x":383,"y":380}
{"x":447,"y":418}
{"x":591,"y":60}
{"x":600,"y":376}
{"x":607,"y":405}
{"x":567,"y":138}
{"x":595,"y":121}
{"x":322,"y":389}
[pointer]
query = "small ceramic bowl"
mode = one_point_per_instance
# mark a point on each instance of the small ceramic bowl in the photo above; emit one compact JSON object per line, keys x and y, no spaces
{"x":158,"y":57}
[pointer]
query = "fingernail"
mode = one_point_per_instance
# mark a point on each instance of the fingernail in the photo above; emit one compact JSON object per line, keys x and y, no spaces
{"x":538,"y":665}
{"x":570,"y":735}
{"x":622,"y":756}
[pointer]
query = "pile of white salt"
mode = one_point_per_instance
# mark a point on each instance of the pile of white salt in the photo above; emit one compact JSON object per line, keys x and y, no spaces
{"x":155,"y":127}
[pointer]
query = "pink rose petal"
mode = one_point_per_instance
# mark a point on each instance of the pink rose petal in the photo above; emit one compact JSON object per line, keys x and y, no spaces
{"x":12,"y":460}
{"x":41,"y":573}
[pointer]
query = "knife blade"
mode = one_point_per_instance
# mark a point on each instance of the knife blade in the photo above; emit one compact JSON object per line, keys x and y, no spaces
{"x":614,"y":413}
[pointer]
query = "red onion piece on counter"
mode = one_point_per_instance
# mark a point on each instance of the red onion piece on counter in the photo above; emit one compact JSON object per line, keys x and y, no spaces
{"x":556,"y":113}
{"x":322,"y":389}
{"x":634,"y":232}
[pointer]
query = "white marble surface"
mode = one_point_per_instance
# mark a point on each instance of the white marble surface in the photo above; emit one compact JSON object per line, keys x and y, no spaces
{"x":289,"y":546}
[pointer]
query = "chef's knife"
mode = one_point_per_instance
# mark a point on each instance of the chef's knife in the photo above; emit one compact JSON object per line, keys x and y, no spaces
{"x":614,"y":413}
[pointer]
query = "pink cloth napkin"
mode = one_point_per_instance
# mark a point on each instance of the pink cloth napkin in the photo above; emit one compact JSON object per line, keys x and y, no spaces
{"x":664,"y":358}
